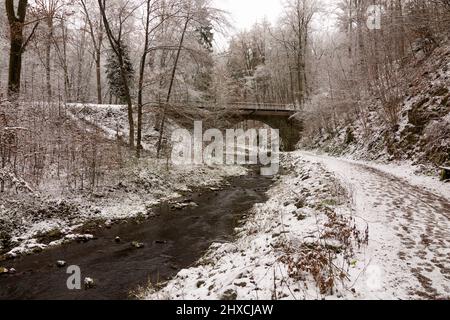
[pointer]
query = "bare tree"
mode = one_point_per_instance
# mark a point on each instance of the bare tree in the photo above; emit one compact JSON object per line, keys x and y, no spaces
{"x":142,"y":66}
{"x":302,"y":13}
{"x":172,"y":79}
{"x":48,"y":10}
{"x":96,"y":33}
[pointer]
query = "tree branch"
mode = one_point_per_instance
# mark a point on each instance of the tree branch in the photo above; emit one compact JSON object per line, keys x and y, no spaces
{"x":24,"y":46}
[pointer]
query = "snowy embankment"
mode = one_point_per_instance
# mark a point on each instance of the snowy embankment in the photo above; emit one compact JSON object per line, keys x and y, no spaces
{"x":419,"y":133}
{"x":112,"y":121}
{"x":303,"y":243}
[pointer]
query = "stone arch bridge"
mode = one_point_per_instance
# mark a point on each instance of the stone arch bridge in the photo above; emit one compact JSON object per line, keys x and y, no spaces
{"x":276,"y":116}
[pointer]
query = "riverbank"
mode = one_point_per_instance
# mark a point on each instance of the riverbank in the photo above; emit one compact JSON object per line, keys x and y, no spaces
{"x":130,"y":254}
{"x":301,"y":244}
{"x":30,"y":223}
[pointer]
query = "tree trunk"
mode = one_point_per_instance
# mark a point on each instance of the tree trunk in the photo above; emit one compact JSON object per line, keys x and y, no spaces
{"x":15,"y":61}
{"x":116,"y":47}
{"x":48,"y":57}
{"x":98,"y":73}
{"x":97,"y":42}
{"x":141,"y":83}
{"x":169,"y":93}
{"x":16,"y":25}
{"x":362,"y":66}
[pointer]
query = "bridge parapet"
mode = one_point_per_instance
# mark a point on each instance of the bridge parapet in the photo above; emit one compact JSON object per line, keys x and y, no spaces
{"x":262,"y":106}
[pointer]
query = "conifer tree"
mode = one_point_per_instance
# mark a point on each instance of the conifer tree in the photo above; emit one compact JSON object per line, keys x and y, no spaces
{"x":113,"y":75}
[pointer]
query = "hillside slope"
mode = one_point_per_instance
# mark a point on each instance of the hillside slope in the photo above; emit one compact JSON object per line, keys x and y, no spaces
{"x":421,"y":133}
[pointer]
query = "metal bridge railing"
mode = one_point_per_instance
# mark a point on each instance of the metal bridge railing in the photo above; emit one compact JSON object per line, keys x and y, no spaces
{"x":262,"y":106}
{"x":234,"y":105}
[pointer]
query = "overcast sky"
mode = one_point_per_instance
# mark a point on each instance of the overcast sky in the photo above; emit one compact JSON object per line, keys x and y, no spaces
{"x":244,"y":13}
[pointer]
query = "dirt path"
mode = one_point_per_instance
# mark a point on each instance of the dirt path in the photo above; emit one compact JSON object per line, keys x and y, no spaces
{"x":409,"y":231}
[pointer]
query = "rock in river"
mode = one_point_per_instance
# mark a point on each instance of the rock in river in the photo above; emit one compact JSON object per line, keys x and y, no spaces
{"x":137,"y":245}
{"x":89,"y":283}
{"x":61,"y":263}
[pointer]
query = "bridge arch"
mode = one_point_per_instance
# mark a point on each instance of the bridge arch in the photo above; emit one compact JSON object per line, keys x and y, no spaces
{"x":290,"y":128}
{"x":279,"y":117}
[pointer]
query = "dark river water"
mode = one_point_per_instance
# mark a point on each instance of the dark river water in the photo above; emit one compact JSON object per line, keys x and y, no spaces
{"x":174,"y":240}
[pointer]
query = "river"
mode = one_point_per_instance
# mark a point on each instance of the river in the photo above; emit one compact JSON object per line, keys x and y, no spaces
{"x":173,"y":240}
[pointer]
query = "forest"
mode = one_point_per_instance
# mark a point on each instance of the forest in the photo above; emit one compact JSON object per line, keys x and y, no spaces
{"x":92,"y":91}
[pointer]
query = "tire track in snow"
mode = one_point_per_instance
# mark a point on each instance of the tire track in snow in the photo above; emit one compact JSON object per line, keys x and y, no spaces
{"x":409,"y":229}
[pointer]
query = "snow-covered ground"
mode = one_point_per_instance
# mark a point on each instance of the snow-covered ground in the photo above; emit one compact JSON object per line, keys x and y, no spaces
{"x":385,"y":237}
{"x":113,"y":122}
{"x":408,"y":218}
{"x":412,"y":173}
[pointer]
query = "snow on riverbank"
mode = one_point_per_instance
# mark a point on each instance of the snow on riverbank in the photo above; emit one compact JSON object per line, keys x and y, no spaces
{"x":301,"y":244}
{"x":30,"y":224}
